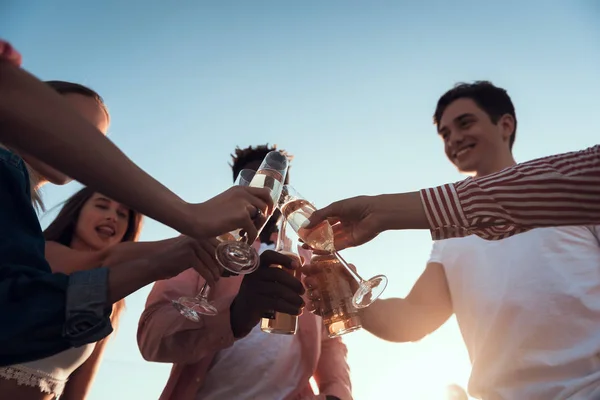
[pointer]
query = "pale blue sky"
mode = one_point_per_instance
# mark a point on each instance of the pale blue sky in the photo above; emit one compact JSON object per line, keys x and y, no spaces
{"x":348,"y":87}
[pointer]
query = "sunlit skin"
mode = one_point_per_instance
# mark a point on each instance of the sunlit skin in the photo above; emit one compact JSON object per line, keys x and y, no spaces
{"x":102,"y":223}
{"x":93,"y":112}
{"x":472,"y":142}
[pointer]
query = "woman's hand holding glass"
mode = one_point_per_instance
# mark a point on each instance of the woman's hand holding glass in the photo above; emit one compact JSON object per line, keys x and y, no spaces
{"x":193,"y":307}
{"x":236,"y":254}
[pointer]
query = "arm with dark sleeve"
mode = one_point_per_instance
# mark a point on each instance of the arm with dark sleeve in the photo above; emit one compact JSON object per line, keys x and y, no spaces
{"x":559,"y":190}
{"x":42,"y":313}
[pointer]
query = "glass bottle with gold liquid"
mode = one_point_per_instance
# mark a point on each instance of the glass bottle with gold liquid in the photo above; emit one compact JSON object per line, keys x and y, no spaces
{"x":277,"y":322}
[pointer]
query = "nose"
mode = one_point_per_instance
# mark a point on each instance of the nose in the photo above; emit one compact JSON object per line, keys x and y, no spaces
{"x":455,"y":138}
{"x":112,"y":216}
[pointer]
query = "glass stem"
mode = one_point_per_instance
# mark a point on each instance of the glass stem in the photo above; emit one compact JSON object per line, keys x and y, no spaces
{"x":204,"y":291}
{"x":356,"y":276}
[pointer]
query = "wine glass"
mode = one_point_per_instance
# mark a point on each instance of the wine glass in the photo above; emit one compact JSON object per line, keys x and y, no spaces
{"x":297,"y":210}
{"x":235,"y":254}
{"x":193,"y":307}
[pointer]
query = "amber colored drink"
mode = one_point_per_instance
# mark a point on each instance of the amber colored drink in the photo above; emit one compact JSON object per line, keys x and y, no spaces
{"x":335,"y":287}
{"x":277,"y":322}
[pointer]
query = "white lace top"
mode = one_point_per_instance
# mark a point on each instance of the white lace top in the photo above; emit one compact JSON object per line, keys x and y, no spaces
{"x":49,"y":374}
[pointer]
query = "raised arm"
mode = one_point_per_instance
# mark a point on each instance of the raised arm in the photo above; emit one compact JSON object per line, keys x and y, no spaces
{"x":67,"y":260}
{"x":559,"y":190}
{"x":73,"y":310}
{"x":38,"y":121}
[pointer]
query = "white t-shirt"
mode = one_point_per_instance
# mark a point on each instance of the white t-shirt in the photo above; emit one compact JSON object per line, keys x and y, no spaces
{"x":528,"y":308}
{"x":258,"y":367}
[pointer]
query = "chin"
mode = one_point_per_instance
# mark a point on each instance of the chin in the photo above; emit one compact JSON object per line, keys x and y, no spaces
{"x":466,"y":169}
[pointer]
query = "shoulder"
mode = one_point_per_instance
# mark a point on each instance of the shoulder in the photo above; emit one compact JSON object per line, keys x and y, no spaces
{"x":56,"y":248}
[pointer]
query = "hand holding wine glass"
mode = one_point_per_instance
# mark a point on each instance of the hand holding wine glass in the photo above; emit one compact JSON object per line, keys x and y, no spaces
{"x":183,"y":253}
{"x":320,"y":236}
{"x":360,"y":219}
{"x":354,"y":221}
{"x":236,"y":254}
{"x":193,"y":307}
{"x":239,"y":207}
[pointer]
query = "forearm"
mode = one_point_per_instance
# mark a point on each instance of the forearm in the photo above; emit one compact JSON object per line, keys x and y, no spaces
{"x":126,"y":278}
{"x":35,"y":119}
{"x":131,"y":251}
{"x":397,"y":320}
{"x":401,"y":211}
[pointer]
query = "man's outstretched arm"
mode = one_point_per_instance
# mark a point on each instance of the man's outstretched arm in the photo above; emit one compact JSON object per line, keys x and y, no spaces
{"x":558,"y":190}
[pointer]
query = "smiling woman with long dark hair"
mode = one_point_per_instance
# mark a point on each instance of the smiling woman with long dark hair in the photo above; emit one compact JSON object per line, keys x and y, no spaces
{"x":87,"y":227}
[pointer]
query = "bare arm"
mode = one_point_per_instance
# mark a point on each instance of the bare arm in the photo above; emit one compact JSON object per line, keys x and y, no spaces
{"x":427,"y":307}
{"x":38,"y":121}
{"x":67,"y":260}
{"x":80,"y":382}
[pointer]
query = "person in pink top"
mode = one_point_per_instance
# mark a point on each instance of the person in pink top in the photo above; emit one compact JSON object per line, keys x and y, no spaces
{"x":227,"y":356}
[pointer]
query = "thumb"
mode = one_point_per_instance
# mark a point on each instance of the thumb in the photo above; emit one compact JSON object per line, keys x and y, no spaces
{"x":321,"y":215}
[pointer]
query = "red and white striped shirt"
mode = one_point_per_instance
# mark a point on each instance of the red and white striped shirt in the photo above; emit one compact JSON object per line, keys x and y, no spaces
{"x":559,"y":190}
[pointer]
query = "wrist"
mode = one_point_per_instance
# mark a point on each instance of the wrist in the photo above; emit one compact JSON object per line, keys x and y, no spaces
{"x":159,"y":271}
{"x":185,"y":219}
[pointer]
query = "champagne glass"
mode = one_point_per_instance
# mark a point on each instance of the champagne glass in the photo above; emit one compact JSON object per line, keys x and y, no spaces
{"x":235,"y":254}
{"x":193,"y":307}
{"x":297,"y":210}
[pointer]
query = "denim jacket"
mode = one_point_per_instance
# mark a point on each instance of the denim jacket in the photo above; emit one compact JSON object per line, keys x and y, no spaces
{"x":41,"y":313}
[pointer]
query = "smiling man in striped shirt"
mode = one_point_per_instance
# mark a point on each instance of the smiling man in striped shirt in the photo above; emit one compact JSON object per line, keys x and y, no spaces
{"x":528,"y":306}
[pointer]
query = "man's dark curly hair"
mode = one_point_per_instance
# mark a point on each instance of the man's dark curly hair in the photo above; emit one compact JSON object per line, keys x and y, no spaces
{"x":243,"y":157}
{"x":240,"y":159}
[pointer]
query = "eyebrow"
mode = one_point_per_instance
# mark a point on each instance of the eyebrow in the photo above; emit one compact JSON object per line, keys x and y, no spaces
{"x":460,"y":118}
{"x":104,"y":199}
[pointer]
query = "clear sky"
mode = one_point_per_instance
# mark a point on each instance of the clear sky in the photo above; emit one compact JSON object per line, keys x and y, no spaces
{"x":348,"y":87}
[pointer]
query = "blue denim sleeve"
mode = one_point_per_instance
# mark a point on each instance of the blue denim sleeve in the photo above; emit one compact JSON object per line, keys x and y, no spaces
{"x":87,"y":319}
{"x":44,"y":313}
{"x":41,"y":313}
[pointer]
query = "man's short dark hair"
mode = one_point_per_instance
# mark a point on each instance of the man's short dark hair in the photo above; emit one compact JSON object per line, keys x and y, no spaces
{"x":494,"y":101}
{"x":243,"y":157}
{"x":240,"y":160}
